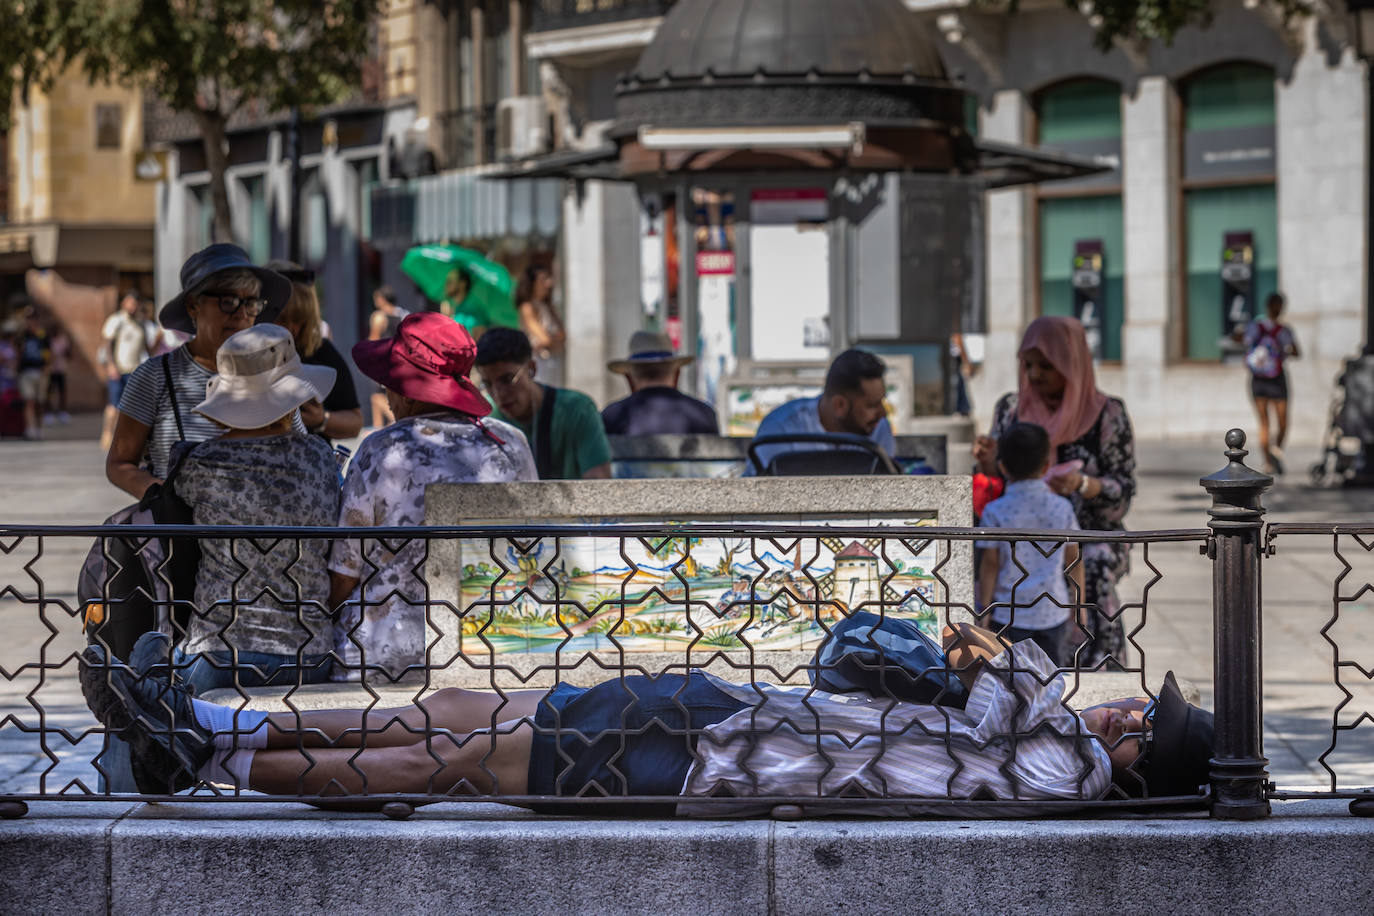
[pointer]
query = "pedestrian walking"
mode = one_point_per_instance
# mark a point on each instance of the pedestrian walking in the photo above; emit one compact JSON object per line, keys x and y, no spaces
{"x":126,"y":342}
{"x":1269,"y":344}
{"x":35,"y":355}
{"x":1090,"y":433}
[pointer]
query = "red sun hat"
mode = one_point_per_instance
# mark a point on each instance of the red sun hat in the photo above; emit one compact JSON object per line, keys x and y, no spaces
{"x":428,"y":360}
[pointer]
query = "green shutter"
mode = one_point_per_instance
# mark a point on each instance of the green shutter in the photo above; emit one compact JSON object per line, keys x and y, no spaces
{"x":1062,"y":223}
{"x":971,"y":114}
{"x":1081,"y":110}
{"x":1236,"y":95}
{"x":1210,"y":214}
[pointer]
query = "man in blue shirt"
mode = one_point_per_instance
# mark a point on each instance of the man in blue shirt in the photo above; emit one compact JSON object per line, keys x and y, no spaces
{"x":655,"y":406}
{"x":854,"y":401}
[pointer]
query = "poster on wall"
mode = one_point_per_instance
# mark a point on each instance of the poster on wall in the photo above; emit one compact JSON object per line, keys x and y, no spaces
{"x":715,"y":321}
{"x":1237,"y":292}
{"x":1087,"y":290}
{"x":789,"y":280}
{"x":651,"y":260}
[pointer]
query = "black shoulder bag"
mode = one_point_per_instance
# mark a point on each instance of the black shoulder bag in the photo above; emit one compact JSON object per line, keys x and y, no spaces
{"x":543,"y":437}
{"x":167,"y":508}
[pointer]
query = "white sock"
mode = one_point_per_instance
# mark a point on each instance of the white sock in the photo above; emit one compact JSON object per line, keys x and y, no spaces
{"x":231,"y":727}
{"x":228,"y":768}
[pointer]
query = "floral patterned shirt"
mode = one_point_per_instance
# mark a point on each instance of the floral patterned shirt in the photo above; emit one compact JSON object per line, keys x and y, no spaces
{"x":254,"y":595}
{"x":383,"y":623}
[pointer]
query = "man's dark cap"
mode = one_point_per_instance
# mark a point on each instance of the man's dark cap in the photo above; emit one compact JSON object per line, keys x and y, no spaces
{"x":1180,"y":754}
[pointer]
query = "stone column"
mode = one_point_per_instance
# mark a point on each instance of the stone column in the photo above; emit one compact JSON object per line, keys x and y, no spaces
{"x":1010,"y":272}
{"x":600,"y":267}
{"x":1320,"y":131}
{"x":1149,"y":211}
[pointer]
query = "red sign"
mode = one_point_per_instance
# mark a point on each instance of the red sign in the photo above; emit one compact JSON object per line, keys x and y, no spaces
{"x":715,"y":263}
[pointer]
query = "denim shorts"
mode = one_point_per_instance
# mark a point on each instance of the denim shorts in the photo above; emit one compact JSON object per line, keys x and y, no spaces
{"x":114,"y":389}
{"x":624,"y":737}
{"x":212,"y":670}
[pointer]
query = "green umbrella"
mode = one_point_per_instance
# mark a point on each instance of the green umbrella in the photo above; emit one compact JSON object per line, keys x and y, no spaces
{"x":490,"y":302}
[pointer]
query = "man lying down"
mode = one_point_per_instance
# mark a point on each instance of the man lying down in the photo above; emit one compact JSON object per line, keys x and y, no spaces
{"x":692,"y":737}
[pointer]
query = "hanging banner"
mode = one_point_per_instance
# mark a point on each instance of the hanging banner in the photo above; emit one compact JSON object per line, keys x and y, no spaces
{"x":1088,"y":266}
{"x":1237,"y":291}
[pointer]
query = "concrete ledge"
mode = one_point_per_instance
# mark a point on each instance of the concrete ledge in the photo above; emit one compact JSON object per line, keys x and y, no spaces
{"x":264,"y":857}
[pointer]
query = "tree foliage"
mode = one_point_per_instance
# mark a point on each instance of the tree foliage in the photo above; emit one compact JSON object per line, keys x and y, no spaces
{"x":1115,"y":20}
{"x":203,"y":57}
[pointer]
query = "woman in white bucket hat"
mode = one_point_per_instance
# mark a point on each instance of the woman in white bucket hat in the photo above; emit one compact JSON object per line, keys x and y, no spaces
{"x":262,"y":609}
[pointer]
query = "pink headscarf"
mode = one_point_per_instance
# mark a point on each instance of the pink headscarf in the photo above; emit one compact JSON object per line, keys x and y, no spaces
{"x":1065,"y":345}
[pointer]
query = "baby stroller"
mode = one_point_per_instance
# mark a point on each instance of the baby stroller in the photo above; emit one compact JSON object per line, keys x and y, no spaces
{"x":1350,"y":424}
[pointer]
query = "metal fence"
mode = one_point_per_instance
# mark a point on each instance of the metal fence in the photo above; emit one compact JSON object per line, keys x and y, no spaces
{"x":696,"y":668}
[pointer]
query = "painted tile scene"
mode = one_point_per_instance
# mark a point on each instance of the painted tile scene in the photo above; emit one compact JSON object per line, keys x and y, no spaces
{"x":664,"y":594}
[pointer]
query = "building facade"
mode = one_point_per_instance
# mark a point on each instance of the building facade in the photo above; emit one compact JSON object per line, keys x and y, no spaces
{"x":76,"y":213}
{"x":1239,"y":170}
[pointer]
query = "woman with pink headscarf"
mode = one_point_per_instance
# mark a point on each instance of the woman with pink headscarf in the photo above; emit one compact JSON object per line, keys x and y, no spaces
{"x":1058,"y":391}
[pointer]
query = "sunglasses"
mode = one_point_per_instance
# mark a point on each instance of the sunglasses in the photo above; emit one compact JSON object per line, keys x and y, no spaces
{"x":229,"y":303}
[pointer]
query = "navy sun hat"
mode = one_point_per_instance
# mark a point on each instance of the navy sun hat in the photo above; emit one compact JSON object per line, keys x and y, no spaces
{"x":207,"y":262}
{"x":1180,"y":755}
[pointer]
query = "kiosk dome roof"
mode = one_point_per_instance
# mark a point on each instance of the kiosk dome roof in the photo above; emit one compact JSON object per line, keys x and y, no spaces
{"x":762,"y":37}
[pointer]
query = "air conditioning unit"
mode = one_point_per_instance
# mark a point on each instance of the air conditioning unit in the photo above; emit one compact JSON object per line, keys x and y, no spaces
{"x":522,"y":127}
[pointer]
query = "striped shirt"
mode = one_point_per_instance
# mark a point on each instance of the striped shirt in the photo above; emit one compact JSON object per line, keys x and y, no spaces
{"x":145,"y":400}
{"x":1015,"y":740}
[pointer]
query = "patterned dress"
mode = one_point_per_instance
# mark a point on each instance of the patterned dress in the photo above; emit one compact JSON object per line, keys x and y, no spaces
{"x":1107,"y":451}
{"x":383,"y":622}
{"x":262,"y":595}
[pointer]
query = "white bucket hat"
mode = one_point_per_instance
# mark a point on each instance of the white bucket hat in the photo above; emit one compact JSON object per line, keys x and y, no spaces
{"x":261,"y":379}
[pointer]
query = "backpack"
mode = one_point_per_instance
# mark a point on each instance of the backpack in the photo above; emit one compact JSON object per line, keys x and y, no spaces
{"x":1265,"y":358}
{"x":885,"y":657}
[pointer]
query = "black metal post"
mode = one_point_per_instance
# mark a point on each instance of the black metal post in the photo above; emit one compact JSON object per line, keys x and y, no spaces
{"x":1239,"y":768}
{"x":293,"y":156}
{"x":1369,"y":211}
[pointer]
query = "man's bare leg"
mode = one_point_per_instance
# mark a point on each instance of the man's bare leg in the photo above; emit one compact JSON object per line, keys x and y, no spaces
{"x":1262,"y":408}
{"x":484,"y":763}
{"x":452,"y":710}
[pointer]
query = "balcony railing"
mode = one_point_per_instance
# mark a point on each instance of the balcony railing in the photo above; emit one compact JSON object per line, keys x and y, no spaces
{"x":550,"y":15}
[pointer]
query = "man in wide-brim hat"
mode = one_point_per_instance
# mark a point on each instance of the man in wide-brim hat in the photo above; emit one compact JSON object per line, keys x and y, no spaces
{"x":655,"y":406}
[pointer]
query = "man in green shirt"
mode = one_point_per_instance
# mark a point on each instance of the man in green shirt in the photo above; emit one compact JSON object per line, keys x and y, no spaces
{"x":563,"y":427}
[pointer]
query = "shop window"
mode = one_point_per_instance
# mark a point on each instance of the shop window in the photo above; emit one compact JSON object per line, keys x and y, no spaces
{"x":1071,"y":229}
{"x":1230,"y":211}
{"x":1082,"y":255}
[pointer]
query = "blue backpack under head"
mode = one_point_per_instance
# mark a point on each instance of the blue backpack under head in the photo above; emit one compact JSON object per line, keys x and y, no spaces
{"x":885,"y":657}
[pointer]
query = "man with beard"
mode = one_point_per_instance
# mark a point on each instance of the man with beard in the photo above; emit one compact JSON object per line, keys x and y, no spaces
{"x":854,"y":401}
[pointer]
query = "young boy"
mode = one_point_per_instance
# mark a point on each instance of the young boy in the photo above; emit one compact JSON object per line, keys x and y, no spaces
{"x":1024,"y":590}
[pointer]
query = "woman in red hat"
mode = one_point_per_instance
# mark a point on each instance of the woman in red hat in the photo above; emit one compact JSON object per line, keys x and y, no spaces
{"x":440,"y":436}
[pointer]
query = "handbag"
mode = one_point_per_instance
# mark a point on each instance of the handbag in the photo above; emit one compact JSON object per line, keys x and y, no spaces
{"x":130,"y":585}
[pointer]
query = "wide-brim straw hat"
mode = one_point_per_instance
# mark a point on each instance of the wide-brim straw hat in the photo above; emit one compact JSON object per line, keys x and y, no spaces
{"x":429,"y":359}
{"x":649,"y":348}
{"x":261,"y":379}
{"x":207,"y":262}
